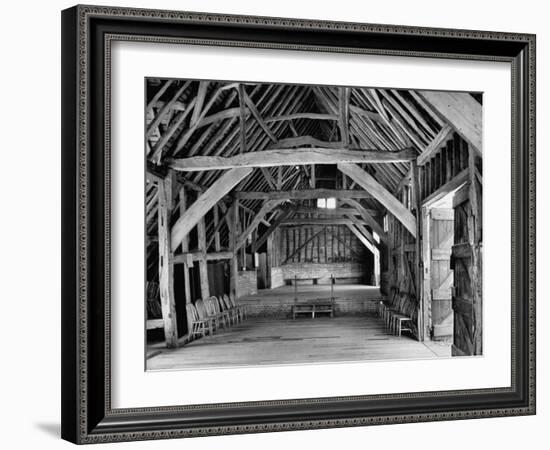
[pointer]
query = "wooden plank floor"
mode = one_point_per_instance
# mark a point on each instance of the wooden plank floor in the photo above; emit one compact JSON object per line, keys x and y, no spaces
{"x":285,"y":341}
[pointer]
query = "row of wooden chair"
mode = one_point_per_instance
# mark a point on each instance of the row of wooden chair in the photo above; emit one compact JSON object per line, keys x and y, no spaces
{"x":392,"y":314}
{"x":210,"y":315}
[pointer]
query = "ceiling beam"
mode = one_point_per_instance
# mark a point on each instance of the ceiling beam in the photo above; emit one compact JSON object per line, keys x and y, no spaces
{"x":205,"y":202}
{"x":367,"y":182}
{"x":304,"y":194}
{"x":329,"y":221}
{"x":290,"y":157}
{"x":305,"y":115}
{"x":461,"y":111}
{"x":300,"y":141}
{"x":325,"y":211}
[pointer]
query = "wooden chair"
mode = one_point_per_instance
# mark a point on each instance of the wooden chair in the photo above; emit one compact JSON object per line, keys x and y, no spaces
{"x":217,"y":311}
{"x":386,"y":309}
{"x":241,"y":309}
{"x":228,"y":307}
{"x":205,"y":315}
{"x":400,"y":323}
{"x":199,"y":327}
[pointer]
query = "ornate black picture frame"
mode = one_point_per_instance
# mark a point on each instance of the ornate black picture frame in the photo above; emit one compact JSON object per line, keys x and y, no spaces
{"x":87,"y":35}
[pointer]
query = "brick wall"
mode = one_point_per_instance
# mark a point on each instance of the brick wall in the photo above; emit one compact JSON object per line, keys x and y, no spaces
{"x":357,"y":271}
{"x":280,"y":307}
{"x":247,"y":283}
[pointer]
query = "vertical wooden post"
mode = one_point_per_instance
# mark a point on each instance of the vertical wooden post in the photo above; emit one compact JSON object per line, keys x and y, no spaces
{"x":269,"y":257}
{"x":233,"y":236}
{"x":415,"y":186}
{"x":203,"y":265}
{"x":474,"y":234}
{"x":185,"y":249}
{"x":426,"y":269}
{"x":217,"y":234}
{"x":166,"y":266}
{"x":242,"y":119}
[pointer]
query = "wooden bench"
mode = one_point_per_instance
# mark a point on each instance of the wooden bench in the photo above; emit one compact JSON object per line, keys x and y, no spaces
{"x":347,"y":280}
{"x":294,"y":281}
{"x":312,"y":308}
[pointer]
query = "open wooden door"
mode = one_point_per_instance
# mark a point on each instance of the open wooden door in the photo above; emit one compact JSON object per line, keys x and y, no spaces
{"x":466,"y":261}
{"x":441,"y":276}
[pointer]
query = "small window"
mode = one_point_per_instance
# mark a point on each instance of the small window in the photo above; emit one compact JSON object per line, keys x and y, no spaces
{"x":376,"y":237}
{"x":329,"y":203}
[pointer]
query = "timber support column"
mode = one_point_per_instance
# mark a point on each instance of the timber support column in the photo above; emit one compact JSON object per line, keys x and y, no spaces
{"x":166,"y":264}
{"x":233,"y":218}
{"x":415,"y":185}
{"x":203,"y":265}
{"x":185,"y":249}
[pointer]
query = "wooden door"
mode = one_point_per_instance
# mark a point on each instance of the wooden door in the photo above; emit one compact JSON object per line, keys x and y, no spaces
{"x":466,"y":261}
{"x":441,"y":275}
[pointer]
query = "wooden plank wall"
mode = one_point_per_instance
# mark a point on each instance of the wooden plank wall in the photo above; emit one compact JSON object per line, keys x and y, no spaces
{"x":319,"y":244}
{"x":444,"y":165}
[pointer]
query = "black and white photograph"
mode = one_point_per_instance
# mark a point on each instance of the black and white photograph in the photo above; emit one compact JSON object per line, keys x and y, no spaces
{"x":301,"y":224}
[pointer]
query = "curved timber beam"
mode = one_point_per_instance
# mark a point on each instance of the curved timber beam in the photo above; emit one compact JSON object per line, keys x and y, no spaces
{"x":202,"y":205}
{"x":291,"y":157}
{"x":380,"y":193}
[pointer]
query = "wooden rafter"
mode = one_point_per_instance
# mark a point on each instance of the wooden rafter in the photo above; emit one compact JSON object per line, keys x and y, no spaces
{"x":290,"y":157}
{"x":258,"y":117}
{"x":461,"y":111}
{"x":158,"y":95}
{"x":201,"y":94}
{"x":165,"y":109}
{"x":343,"y":121}
{"x":302,"y":194}
{"x":242,"y":117}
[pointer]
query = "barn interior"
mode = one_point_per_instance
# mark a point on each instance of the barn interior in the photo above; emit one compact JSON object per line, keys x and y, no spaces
{"x":305,"y":223}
